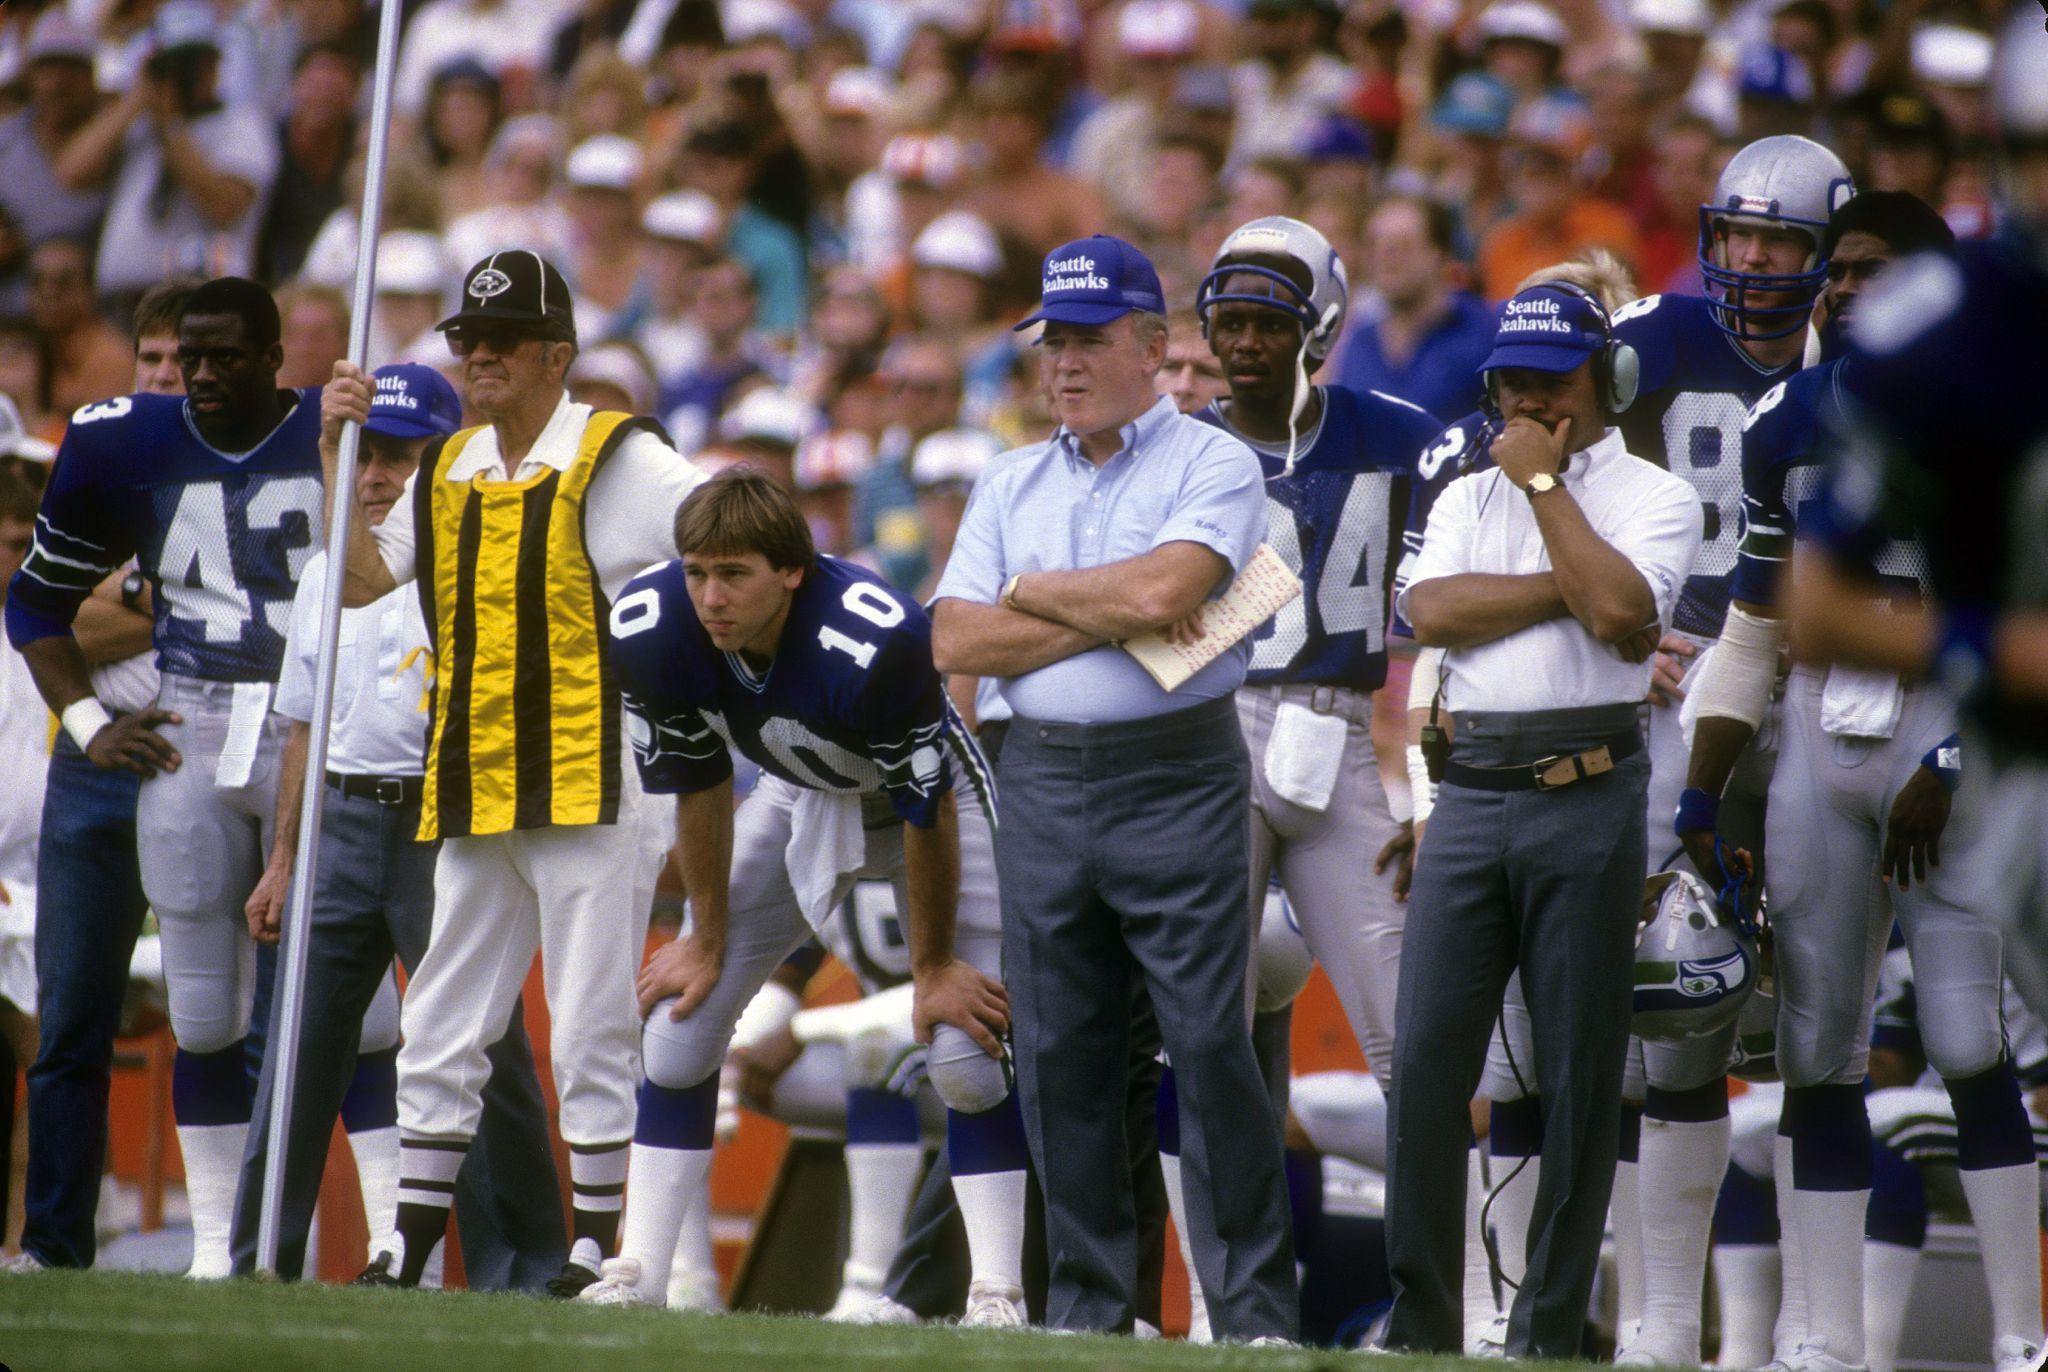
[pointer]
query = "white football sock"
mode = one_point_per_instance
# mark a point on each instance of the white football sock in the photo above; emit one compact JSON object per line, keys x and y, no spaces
{"x":1176,"y":1205}
{"x":992,"y":1209}
{"x":1830,"y":1226}
{"x":1791,"y":1327}
{"x":1887,"y":1283}
{"x":880,"y":1180}
{"x":693,"y":1281}
{"x":661,"y":1184}
{"x":1625,"y":1218}
{"x":1479,"y":1305}
{"x":213,"y":1171}
{"x":1513,"y":1209}
{"x":1747,"y":1277}
{"x":1683,"y":1162}
{"x":376,"y":1155}
{"x":2004,"y":1205}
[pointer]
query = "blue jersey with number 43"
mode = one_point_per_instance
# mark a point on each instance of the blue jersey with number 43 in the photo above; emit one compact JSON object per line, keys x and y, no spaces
{"x":223,"y":536}
{"x":851,"y":701}
{"x":1336,"y":521}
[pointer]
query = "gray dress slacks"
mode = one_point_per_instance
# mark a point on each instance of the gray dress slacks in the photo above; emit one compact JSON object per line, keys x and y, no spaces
{"x":1549,"y":883}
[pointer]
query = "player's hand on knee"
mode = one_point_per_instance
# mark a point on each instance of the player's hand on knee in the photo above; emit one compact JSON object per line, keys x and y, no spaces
{"x":1400,"y":851}
{"x":345,"y":399}
{"x":959,"y":995}
{"x":686,"y":969}
{"x":1667,"y":669}
{"x":131,"y":743}
{"x":265,"y":906}
{"x":1912,"y":837}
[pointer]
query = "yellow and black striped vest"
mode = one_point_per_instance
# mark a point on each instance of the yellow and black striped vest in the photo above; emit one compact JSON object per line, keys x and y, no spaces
{"x":524,"y":730}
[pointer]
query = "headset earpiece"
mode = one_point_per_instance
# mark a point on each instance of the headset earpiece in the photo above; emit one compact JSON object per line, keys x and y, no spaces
{"x":1624,"y":376}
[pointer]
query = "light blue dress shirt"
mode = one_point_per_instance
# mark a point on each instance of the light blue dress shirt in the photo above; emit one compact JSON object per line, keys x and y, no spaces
{"x":1048,"y":508}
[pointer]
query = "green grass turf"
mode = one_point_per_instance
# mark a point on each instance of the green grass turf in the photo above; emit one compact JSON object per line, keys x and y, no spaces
{"x":70,"y":1322}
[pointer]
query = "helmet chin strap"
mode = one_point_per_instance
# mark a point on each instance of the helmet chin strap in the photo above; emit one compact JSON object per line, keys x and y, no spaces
{"x":1302,"y":389}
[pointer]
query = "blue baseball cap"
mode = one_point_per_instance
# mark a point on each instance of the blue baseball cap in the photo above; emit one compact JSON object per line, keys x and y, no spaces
{"x":1545,"y":330}
{"x":413,"y":401}
{"x":1095,"y":280}
{"x":1474,"y":103}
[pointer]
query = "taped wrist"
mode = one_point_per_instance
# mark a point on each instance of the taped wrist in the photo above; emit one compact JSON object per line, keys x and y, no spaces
{"x":1735,"y":680}
{"x":1427,"y":676}
{"x":1420,"y":787}
{"x":84,"y":718}
{"x":766,"y":1015}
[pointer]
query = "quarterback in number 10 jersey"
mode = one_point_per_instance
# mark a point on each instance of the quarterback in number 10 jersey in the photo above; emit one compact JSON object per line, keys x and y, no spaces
{"x":222,"y":536}
{"x":1336,"y":520}
{"x":850,"y":703}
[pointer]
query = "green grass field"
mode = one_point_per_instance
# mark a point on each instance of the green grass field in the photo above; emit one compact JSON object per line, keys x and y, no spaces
{"x":68,"y":1322}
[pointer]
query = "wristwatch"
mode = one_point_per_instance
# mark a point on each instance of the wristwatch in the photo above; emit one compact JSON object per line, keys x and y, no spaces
{"x":132,"y":586}
{"x":1009,"y":595}
{"x":1541,"y":482}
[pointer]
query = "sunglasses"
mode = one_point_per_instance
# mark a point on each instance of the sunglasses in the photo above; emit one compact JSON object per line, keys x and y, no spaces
{"x":499,"y":338}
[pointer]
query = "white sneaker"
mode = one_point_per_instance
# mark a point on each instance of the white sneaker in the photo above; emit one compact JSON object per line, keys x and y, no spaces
{"x":993,"y":1305}
{"x":1144,"y":1332}
{"x":1807,"y":1358}
{"x":854,"y":1297}
{"x":2013,"y":1354}
{"x":24,"y":1263}
{"x":1272,"y":1341}
{"x":877,"y":1310}
{"x":618,"y":1283}
{"x":1645,"y":1353}
{"x":1493,"y":1339}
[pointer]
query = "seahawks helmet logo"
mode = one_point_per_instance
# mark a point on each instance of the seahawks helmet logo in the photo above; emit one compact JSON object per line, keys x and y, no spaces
{"x":1670,"y":986}
{"x":489,"y":282}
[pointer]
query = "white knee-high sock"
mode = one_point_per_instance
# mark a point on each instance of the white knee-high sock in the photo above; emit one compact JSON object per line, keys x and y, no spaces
{"x":693,"y":1279}
{"x":1830,"y":1227}
{"x":1747,"y":1278}
{"x":1887,"y":1284}
{"x":661,"y":1185}
{"x":1791,"y":1327}
{"x":880,"y":1179}
{"x":376,"y":1155}
{"x":2004,"y":1204}
{"x":1513,"y":1208}
{"x":992,"y":1210}
{"x":1177,"y":1206}
{"x":213,"y":1170}
{"x":1682,"y":1166}
{"x":1479,"y":1303}
{"x":1625,"y":1218}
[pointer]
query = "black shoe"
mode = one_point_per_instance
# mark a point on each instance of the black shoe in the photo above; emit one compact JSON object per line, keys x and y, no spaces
{"x":378,"y":1273}
{"x":566,"y":1284}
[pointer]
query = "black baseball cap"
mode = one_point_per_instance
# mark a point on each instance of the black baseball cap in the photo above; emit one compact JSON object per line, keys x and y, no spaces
{"x":517,"y":287}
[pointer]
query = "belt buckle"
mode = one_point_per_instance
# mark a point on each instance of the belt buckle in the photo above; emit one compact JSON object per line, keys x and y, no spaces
{"x":1322,"y":700}
{"x":1540,"y":769}
{"x":390,"y":790}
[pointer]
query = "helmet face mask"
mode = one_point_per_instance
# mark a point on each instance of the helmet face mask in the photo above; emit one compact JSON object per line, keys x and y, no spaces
{"x":1785,"y":182}
{"x":1320,"y":312}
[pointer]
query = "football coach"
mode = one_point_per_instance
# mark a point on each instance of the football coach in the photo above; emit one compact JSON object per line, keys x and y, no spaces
{"x":1122,"y":842}
{"x":1545,"y":580}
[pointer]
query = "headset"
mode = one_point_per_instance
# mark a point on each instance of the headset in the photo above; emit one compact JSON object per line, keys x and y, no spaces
{"x":1617,"y":370}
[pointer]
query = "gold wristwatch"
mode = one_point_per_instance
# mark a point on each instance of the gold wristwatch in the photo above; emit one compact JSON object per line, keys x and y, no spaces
{"x":1541,"y":482}
{"x":1009,"y":595}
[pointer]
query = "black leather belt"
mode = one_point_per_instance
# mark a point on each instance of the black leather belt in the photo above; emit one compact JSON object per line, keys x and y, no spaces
{"x":1546,"y":773}
{"x":383,"y":790}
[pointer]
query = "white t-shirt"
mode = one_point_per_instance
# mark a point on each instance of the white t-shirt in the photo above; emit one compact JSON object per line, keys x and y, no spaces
{"x":150,"y":236}
{"x":380,"y":678}
{"x":24,"y":761}
{"x":1483,"y":523}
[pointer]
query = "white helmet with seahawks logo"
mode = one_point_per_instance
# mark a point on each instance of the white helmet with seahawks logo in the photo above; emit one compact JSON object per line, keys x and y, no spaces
{"x":1694,"y":967}
{"x":1320,"y":311}
{"x":1784,"y":181}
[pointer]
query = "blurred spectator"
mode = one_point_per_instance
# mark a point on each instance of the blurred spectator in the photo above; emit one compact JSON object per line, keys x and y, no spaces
{"x":1910,"y":148}
{"x":957,"y":267}
{"x":846,"y":145}
{"x":829,"y":466}
{"x":943,"y":468}
{"x":765,"y":427}
{"x":1154,"y":38}
{"x":848,"y":331}
{"x":1622,"y":163}
{"x":1192,"y":375}
{"x":925,"y":386}
{"x":520,"y":210}
{"x":509,"y":39}
{"x":1774,"y":93}
{"x":156,"y":355}
{"x":314,"y":142}
{"x":1179,"y":186}
{"x":693,"y":400}
{"x":1284,"y":83}
{"x":1554,"y":218}
{"x":464,"y":107}
{"x":682,"y":232}
{"x":1019,"y":189}
{"x":1952,"y":64}
{"x":1415,"y":336}
{"x":1687,"y":162}
{"x":604,"y":94}
{"x":889,"y":206}
{"x":1374,"y":38}
{"x":1674,"y":37}
{"x":314,"y":333}
{"x":720,"y":160}
{"x":678,"y":43}
{"x":603,"y":266}
{"x":412,"y":287}
{"x":1521,"y":45}
{"x":89,"y":357}
{"x":613,"y":376}
{"x":192,"y":174}
{"x":594,"y":26}
{"x":61,"y":101}
{"x":1472,"y":118}
{"x":412,"y":201}
{"x":25,"y":377}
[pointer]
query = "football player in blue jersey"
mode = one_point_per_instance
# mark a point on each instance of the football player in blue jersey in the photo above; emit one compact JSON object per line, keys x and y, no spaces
{"x":817,"y":671}
{"x":1861,"y":795}
{"x":218,"y":494}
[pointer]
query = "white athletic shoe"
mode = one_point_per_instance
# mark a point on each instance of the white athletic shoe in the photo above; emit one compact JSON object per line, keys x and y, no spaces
{"x":618,"y":1283}
{"x":1272,"y":1341}
{"x":2013,"y":1354}
{"x":1493,"y":1339}
{"x":24,"y":1263}
{"x":1809,"y":1359}
{"x":1144,"y":1331}
{"x":994,"y":1305}
{"x":854,"y":1298}
{"x":876,"y":1310}
{"x":1645,"y":1354}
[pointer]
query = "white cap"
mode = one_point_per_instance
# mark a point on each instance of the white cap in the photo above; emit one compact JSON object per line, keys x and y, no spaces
{"x":859,"y":91}
{"x":184,"y":24}
{"x":1530,"y":19}
{"x":840,"y":457}
{"x":621,"y":366}
{"x":56,"y":34}
{"x":771,"y":412}
{"x":952,"y":455}
{"x":932,"y":159}
{"x":746,"y":20}
{"x":682,"y":217}
{"x":961,"y":242}
{"x":1670,"y":16}
{"x":410,"y":262}
{"x":16,"y":440}
{"x":1158,"y":28}
{"x":606,"y":162}
{"x":1951,"y":55}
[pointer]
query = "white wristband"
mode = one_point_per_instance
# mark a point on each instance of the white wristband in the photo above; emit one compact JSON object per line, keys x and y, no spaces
{"x":84,"y":718}
{"x":766,"y":1015}
{"x":1401,"y":803}
{"x":1419,"y":784}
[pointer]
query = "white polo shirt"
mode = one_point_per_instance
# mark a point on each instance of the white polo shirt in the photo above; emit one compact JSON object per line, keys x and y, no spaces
{"x":380,"y":678}
{"x":1483,"y":523}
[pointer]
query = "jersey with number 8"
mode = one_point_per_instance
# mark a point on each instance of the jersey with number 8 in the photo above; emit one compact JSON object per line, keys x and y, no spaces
{"x":851,"y":702}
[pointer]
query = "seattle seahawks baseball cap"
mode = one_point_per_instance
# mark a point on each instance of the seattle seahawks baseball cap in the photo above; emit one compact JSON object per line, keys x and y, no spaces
{"x":1545,"y":330}
{"x":1095,"y":280}
{"x":413,"y":401}
{"x":517,"y":287}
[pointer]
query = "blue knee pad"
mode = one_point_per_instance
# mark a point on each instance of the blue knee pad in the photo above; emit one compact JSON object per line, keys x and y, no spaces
{"x":672,"y":1118}
{"x":875,"y":1116}
{"x":1696,"y":1105}
{"x":211,"y":1088}
{"x":372,"y":1098}
{"x":1746,"y":1211}
{"x":1898,"y":1201}
{"x":1992,"y":1129}
{"x":991,"y":1141}
{"x":1515,"y":1129}
{"x":1830,"y":1133}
